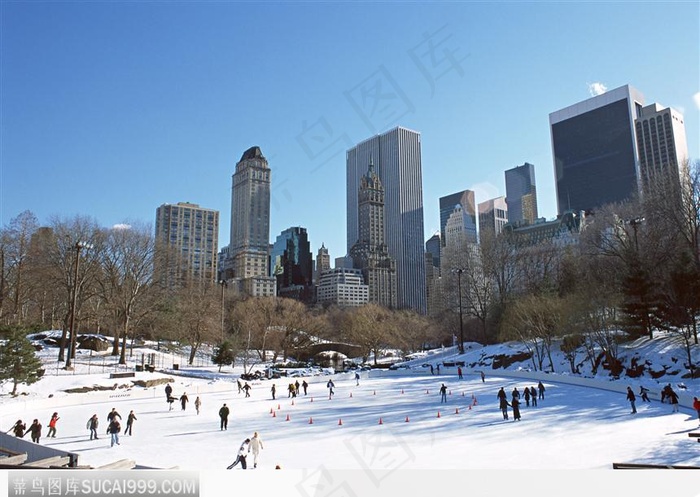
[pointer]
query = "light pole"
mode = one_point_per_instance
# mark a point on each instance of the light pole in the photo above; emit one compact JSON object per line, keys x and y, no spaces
{"x":71,"y":343}
{"x":459,"y":272}
{"x":223,"y":288}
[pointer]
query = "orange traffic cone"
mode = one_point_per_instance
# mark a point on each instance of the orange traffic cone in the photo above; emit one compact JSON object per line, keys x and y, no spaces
{"x":374,"y":392}
{"x":406,"y":419}
{"x":457,"y":411}
{"x":340,"y":422}
{"x":470,"y":407}
{"x":292,"y":401}
{"x":274,"y":414}
{"x":380,"y":421}
{"x":402,"y":391}
{"x":438,"y":414}
{"x":272,"y":411}
{"x":350,"y":394}
{"x":312,"y":399}
{"x":427,"y":391}
{"x":278,"y":406}
{"x":311,"y":421}
{"x":287,"y":418}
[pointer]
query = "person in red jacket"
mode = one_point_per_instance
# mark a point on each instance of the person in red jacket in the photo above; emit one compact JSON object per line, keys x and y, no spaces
{"x":52,"y":425}
{"x":696,"y":406}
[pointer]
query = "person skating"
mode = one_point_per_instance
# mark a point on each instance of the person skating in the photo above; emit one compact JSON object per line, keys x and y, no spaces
{"x":241,"y":456}
{"x":273,"y":390}
{"x":246,"y":388}
{"x":240,"y":385}
{"x":483,"y":377}
{"x":130,"y":422}
{"x":533,"y":396}
{"x":171,"y":401}
{"x":168,"y":392}
{"x":503,"y":405}
{"x":644,"y":392}
{"x":632,"y":399}
{"x":526,"y":395}
{"x":357,"y":378}
{"x":459,"y":372}
{"x":184,"y":400}
{"x":515,"y":404}
{"x":515,"y":394}
{"x":113,"y":414}
{"x":92,"y":425}
{"x":501,"y":394}
{"x":255,"y":446}
{"x":673,"y":399}
{"x":304,"y":385}
{"x":330,"y":386}
{"x":541,"y":388}
{"x":197,"y":404}
{"x":224,"y":411}
{"x":113,"y":429}
{"x":443,"y":394}
{"x":35,"y":431}
{"x":19,"y":429}
{"x":696,"y":406}
{"x":52,"y":425}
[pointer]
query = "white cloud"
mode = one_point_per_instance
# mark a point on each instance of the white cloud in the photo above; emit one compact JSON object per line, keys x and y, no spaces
{"x":596,"y":88}
{"x":121,"y":227}
{"x":696,"y":99}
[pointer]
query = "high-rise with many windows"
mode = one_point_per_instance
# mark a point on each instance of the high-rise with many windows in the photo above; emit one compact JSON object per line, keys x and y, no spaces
{"x":186,"y":239}
{"x":493,"y":215}
{"x":248,"y":252}
{"x":521,"y":194}
{"x":292,"y":264}
{"x":396,"y":155}
{"x":595,"y":150}
{"x":466,"y":202}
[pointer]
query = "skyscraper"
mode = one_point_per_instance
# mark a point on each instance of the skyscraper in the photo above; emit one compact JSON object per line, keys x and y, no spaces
{"x":248,"y":253}
{"x":493,"y":215}
{"x":661,"y":141}
{"x":186,"y":238}
{"x":323,"y":263}
{"x":370,"y":254}
{"x":595,"y":150}
{"x":292,"y":265}
{"x":397,"y":160}
{"x":521,"y":194}
{"x":465,"y":199}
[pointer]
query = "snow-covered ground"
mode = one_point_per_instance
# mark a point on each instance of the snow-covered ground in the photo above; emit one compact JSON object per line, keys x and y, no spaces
{"x":385,"y":428}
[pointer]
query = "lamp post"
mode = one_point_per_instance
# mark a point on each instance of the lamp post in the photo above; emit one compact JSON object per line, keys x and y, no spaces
{"x":71,"y":343}
{"x":223,"y":288}
{"x":459,"y":272}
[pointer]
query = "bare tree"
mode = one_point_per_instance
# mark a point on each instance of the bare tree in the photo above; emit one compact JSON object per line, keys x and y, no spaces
{"x":16,"y":243}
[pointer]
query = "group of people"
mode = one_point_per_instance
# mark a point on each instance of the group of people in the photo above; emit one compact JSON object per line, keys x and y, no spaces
{"x":667,"y":393}
{"x":530,"y":394}
{"x":19,"y":429}
{"x":184,"y":399}
{"x":249,"y":445}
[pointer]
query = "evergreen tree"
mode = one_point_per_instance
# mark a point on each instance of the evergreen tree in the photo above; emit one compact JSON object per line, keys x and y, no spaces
{"x":224,"y":355}
{"x":18,"y":360}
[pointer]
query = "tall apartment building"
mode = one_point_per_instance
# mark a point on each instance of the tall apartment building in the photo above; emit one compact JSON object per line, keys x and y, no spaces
{"x":370,"y":253}
{"x":493,"y":215}
{"x":433,"y":247}
{"x":464,"y":199}
{"x":292,"y":264}
{"x":186,"y":239}
{"x":397,"y":158}
{"x":343,"y":287}
{"x":521,"y":194}
{"x":661,"y":141}
{"x":595,"y":152}
{"x":248,"y":252}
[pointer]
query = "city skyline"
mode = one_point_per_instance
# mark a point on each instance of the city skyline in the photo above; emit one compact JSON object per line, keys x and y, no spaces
{"x":110,"y":126}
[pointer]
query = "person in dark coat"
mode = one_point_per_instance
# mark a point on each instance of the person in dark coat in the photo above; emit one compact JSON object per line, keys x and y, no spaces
{"x":241,"y":455}
{"x":526,"y":395}
{"x":184,"y":400}
{"x":113,"y":429}
{"x":501,"y":394}
{"x":515,"y":394}
{"x":533,"y":396}
{"x":540,"y":387}
{"x":19,"y":429}
{"x":223,"y":415}
{"x":92,"y":425}
{"x":171,"y":401}
{"x":273,"y":390}
{"x":515,"y":404}
{"x":673,"y":399}
{"x":632,"y":399}
{"x":644,"y":392}
{"x":35,"y":430}
{"x":130,"y":422}
{"x":168,"y":391}
{"x":304,"y":385}
{"x":113,"y":414}
{"x":443,"y":394}
{"x":503,"y":404}
{"x":246,"y":388}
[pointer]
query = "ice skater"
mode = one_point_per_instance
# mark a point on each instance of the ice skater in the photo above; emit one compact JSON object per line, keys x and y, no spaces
{"x":241,"y":456}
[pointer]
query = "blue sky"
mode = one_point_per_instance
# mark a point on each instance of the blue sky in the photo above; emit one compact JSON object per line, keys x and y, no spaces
{"x":110,"y":109}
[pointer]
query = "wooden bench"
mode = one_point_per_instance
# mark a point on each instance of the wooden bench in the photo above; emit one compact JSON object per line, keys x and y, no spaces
{"x":122,"y":375}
